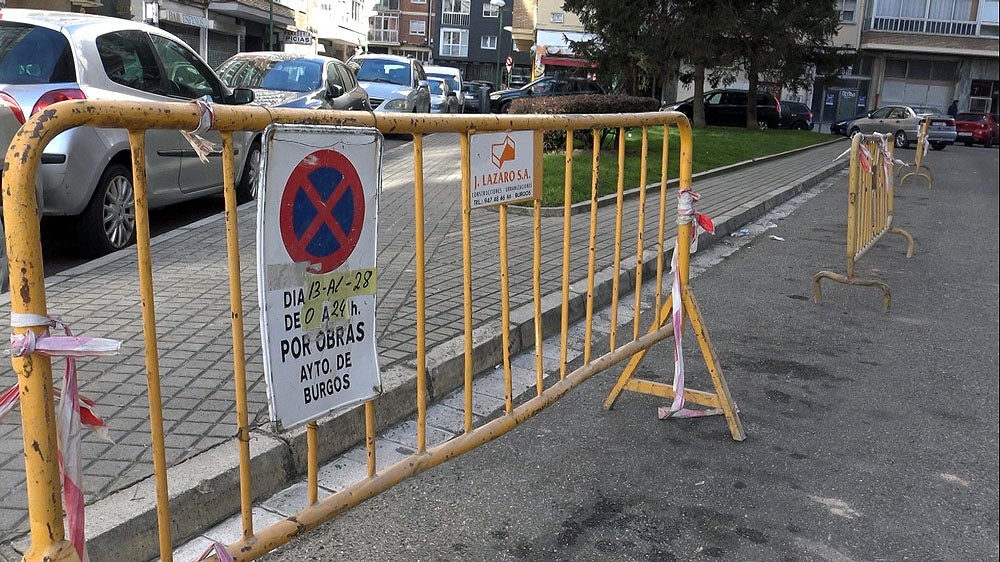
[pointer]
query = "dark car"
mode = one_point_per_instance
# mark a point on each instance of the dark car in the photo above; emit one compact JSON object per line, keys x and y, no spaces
{"x":844,"y":125}
{"x":729,"y":107}
{"x":473,"y":91}
{"x":795,"y":115}
{"x":299,"y":81}
{"x":977,"y":128}
{"x":545,"y":86}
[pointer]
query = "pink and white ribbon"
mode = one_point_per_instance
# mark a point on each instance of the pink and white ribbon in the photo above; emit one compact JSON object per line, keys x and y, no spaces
{"x":73,"y":408}
{"x":686,"y":214}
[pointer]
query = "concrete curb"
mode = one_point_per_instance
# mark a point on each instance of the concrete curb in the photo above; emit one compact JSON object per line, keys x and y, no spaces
{"x":205,"y":488}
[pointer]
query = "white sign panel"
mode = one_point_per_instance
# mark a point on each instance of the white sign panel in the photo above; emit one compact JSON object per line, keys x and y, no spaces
{"x":506,"y":167}
{"x":316,"y":235}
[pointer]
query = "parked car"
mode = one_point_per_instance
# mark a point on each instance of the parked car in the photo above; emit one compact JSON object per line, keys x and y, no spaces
{"x":729,"y":107}
{"x":86,"y":172}
{"x":843,"y":126}
{"x":471,"y":92}
{"x":281,"y":79}
{"x":795,"y":115}
{"x":443,"y":98}
{"x":545,"y":86}
{"x":453,"y":77}
{"x":977,"y":128}
{"x":903,"y":123}
{"x":393,"y":83}
{"x":10,"y":122}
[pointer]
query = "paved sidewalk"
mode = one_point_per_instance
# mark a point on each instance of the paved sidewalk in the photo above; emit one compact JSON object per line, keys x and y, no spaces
{"x":193,"y":324}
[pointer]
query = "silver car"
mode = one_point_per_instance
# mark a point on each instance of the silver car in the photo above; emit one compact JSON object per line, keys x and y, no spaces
{"x":903,"y":123}
{"x":393,"y":83}
{"x":85,"y":172}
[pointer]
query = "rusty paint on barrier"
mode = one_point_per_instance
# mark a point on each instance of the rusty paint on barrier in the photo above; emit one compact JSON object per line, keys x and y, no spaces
{"x":36,"y":380}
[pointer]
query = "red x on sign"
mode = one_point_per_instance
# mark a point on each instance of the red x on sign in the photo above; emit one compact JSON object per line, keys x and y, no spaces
{"x":322,"y":211}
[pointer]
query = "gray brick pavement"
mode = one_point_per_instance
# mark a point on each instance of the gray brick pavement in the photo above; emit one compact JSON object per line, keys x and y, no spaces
{"x":192,"y":305}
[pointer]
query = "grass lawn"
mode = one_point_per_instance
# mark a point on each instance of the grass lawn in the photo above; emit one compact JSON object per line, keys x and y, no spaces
{"x":713,"y":147}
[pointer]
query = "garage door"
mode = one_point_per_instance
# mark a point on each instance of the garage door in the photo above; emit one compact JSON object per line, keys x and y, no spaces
{"x":919,"y":82}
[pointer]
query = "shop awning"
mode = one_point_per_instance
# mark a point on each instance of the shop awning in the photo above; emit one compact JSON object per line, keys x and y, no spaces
{"x":567,"y":61}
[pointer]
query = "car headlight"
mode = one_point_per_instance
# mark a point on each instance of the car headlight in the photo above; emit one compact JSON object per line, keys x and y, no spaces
{"x":398,"y":104}
{"x":495,"y":96}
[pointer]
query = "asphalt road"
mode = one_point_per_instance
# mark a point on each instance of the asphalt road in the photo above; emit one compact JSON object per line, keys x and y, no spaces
{"x":871,"y":435}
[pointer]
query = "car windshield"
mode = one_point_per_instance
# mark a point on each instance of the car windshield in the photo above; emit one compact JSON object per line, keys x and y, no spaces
{"x":980,"y":117}
{"x":381,"y":70}
{"x":926,"y":110}
{"x":436,"y":86}
{"x":34,"y":55}
{"x":451,"y":80}
{"x":295,"y":75}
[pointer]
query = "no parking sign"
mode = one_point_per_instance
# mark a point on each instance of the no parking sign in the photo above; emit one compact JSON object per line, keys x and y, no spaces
{"x":316,"y":241}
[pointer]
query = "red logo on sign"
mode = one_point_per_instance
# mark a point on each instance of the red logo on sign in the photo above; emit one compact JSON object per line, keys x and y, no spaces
{"x":322,"y":211}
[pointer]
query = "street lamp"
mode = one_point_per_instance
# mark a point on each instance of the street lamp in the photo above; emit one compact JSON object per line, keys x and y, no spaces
{"x":499,"y":4}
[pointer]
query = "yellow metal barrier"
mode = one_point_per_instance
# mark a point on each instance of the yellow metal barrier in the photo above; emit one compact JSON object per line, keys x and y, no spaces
{"x":919,"y":168}
{"x":28,"y":297}
{"x":870,"y":210}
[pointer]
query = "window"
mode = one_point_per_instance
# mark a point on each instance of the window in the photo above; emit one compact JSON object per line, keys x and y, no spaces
{"x":488,"y":42}
{"x":881,"y":113}
{"x":454,"y":42}
{"x":128,"y":60}
{"x":187,"y":75}
{"x":418,"y":27}
{"x":847,"y":9}
{"x":490,"y":11}
{"x":34,"y":55}
{"x":557,"y":17}
{"x":456,"y":12}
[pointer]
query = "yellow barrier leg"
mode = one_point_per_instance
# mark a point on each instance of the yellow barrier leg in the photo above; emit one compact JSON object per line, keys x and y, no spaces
{"x":633,"y":362}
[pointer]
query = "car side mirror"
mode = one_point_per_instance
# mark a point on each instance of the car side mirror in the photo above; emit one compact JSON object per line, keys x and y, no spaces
{"x":422,"y":84}
{"x":240,"y":96}
{"x":334,"y":90}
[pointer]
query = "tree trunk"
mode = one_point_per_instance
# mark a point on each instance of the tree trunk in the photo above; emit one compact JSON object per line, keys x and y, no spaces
{"x":752,"y":85}
{"x":698,"y":106}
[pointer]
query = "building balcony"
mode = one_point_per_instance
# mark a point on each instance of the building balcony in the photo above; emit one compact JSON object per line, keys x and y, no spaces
{"x":456,"y":18}
{"x":383,"y":36}
{"x":924,"y":26}
{"x":387,"y":6}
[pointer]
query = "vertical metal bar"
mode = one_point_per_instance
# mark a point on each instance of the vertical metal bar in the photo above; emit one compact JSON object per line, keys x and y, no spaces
{"x":34,"y":371}
{"x":536,"y":274}
{"x":662,"y":223}
{"x":467,"y":277}
{"x":138,"y":142}
{"x":852,"y":205}
{"x":592,"y":252}
{"x":239,"y":351}
{"x":567,"y":207}
{"x":640,"y":231}
{"x":684,"y":228}
{"x":312,"y":463}
{"x":418,"y":224}
{"x":370,"y":437}
{"x":619,"y":210}
{"x":505,"y":311}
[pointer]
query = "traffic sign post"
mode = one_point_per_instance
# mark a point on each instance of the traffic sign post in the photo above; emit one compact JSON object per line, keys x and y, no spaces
{"x":316,"y":274}
{"x":509,"y":63}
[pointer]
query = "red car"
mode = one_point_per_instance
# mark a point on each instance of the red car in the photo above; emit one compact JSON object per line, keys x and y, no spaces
{"x":978,"y":128}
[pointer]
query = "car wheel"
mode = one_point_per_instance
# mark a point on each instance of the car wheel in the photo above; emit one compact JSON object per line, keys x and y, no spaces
{"x":854,"y":131}
{"x":938,"y":145}
{"x":246,"y":189}
{"x":762,"y":125}
{"x":107,"y":224}
{"x":901,"y":140}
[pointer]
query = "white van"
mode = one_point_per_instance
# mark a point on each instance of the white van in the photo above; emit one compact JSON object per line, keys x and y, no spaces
{"x":454,"y":78}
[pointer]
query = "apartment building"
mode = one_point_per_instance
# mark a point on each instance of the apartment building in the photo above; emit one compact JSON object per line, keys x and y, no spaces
{"x":918,"y":52}
{"x":402,"y":27}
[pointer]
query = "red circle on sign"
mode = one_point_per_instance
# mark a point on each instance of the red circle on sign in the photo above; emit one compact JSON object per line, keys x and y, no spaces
{"x":322,"y":211}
